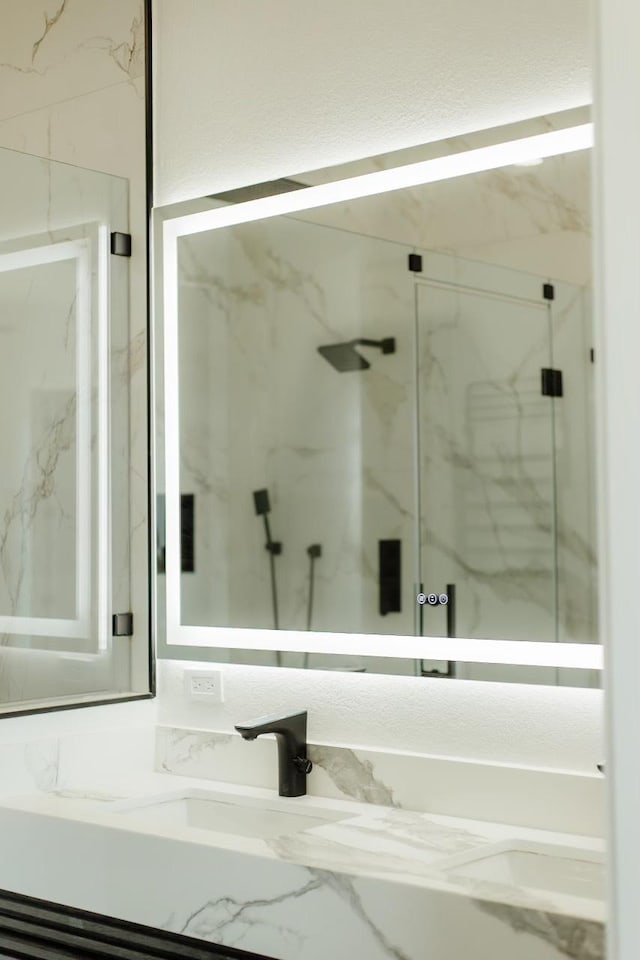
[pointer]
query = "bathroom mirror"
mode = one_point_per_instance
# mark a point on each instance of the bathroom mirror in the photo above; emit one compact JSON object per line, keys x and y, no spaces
{"x":75,"y":189}
{"x":65,"y":520}
{"x":375,"y":423}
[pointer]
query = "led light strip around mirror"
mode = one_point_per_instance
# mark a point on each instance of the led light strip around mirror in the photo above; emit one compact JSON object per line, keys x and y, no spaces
{"x":83,"y":626}
{"x":522,"y":653}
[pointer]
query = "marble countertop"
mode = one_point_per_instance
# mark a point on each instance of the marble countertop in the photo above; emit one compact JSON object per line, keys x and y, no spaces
{"x":371,"y":841}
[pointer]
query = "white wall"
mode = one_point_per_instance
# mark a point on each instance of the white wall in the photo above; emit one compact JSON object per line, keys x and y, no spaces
{"x":246,"y":92}
{"x":491,"y":722}
{"x":617,"y":198}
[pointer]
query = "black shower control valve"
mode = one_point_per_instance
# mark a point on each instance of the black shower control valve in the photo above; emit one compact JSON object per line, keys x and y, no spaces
{"x":303,"y":764}
{"x":274,"y":548}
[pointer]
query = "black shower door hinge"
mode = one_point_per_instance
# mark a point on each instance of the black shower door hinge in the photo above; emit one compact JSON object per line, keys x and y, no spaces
{"x":121,"y":244}
{"x":122,"y":625}
{"x":415,"y":263}
{"x":551,"y":382}
{"x":548,"y":291}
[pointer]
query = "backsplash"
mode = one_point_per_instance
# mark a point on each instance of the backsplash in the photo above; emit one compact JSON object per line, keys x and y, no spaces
{"x":47,"y":753}
{"x":542,"y":727}
{"x":546,"y":799}
{"x":127,"y":743}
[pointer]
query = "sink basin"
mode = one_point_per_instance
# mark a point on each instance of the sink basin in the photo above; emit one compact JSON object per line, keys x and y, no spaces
{"x":540,"y":868}
{"x":227,"y":813}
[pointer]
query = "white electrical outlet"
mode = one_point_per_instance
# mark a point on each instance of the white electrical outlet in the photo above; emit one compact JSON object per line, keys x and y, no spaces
{"x":204,"y":685}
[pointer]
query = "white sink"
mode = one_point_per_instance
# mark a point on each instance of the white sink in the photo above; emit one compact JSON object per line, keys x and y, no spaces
{"x":537,"y":867}
{"x":228,"y":813}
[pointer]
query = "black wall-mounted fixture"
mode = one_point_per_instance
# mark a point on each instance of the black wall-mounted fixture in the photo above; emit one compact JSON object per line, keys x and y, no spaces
{"x":262,"y":506}
{"x":451,"y":610}
{"x":261,"y":502}
{"x":551,"y":382}
{"x":390,"y":576}
{"x":121,"y":244}
{"x":343,"y":357}
{"x":187,"y":533}
{"x":122,"y":625}
{"x":314,"y":552}
{"x":450,"y":669}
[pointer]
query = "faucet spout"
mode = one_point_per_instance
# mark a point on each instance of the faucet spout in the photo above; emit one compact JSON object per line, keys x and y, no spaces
{"x":291,"y":735}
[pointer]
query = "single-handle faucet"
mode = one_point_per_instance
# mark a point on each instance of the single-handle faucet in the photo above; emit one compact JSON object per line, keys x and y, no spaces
{"x":291,"y":734}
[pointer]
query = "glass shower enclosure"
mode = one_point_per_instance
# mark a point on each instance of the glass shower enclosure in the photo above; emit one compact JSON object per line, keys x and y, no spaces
{"x":459,"y":455}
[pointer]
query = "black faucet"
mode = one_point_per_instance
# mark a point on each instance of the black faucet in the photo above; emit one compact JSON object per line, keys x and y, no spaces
{"x":291,"y":734}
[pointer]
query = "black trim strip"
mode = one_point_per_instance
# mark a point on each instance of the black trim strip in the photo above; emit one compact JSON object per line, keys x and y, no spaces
{"x":32,"y":929}
{"x":148,"y":90}
{"x":57,"y":707}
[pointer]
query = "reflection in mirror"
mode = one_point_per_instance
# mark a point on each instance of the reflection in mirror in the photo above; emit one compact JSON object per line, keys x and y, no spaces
{"x":44,"y":290}
{"x":386,"y":416}
{"x":64,"y":425}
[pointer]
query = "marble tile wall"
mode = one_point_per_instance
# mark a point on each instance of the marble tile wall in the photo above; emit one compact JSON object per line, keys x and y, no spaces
{"x":534,"y":218}
{"x":47,"y":764}
{"x":72,"y":91}
{"x":504,"y":464}
{"x":316,"y":445}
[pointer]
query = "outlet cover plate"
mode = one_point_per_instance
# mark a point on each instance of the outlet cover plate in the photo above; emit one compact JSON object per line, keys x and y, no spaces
{"x":205,"y":685}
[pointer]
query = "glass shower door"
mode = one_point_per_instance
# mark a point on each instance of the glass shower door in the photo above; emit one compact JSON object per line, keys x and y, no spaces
{"x":486,"y":462}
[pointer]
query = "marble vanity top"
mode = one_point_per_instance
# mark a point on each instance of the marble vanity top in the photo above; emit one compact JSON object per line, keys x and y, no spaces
{"x":366,"y":841}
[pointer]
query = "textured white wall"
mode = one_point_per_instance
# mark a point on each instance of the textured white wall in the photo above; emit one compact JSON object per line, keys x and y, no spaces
{"x":248,"y":91}
{"x":494,"y":722}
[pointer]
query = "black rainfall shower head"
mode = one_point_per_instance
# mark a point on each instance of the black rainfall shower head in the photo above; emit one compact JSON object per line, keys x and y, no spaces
{"x":343,"y":357}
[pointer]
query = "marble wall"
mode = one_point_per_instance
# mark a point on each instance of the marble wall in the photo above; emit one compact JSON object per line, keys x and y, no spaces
{"x":72,"y":92}
{"x":249,"y":331}
{"x":535,"y":218}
